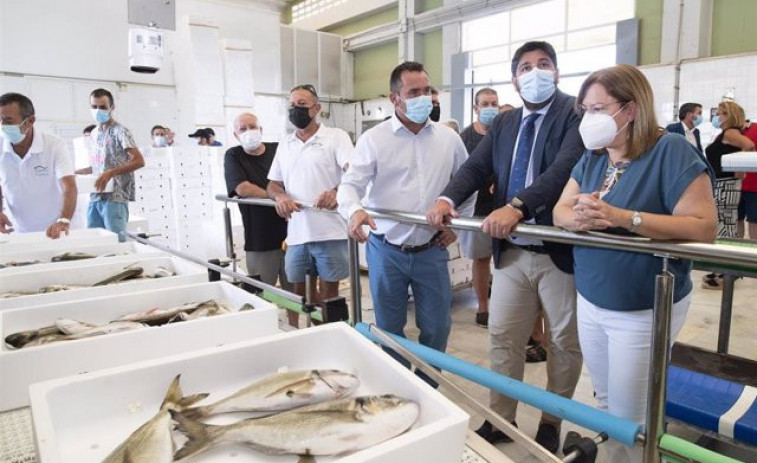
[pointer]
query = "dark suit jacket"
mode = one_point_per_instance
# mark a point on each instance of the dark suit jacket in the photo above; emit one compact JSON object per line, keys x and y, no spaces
{"x":557,"y":149}
{"x":677,"y":127}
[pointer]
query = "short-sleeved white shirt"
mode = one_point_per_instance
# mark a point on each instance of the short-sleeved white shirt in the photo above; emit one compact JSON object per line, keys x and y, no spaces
{"x":31,"y":185}
{"x":307,"y":169}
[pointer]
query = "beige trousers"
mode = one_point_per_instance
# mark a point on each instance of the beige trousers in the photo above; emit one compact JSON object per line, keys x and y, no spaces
{"x":524,"y":284}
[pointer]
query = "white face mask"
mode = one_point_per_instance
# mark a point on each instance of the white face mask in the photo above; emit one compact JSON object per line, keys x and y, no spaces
{"x":250,"y":139}
{"x":160,"y":140}
{"x":599,"y":130}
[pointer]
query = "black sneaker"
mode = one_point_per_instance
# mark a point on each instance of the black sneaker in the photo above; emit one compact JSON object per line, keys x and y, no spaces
{"x":548,"y":436}
{"x":493,"y":435}
{"x":536,"y":353}
{"x":482,"y":319}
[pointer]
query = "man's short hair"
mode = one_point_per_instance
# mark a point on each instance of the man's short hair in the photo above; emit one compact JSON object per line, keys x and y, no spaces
{"x":101,"y":92}
{"x":687,"y":108}
{"x":88,"y":129}
{"x":531,"y":46}
{"x":395,"y":81}
{"x":25,"y":106}
{"x":484,"y":91}
{"x":156,"y":127}
{"x":307,"y":88}
{"x":210,"y":131}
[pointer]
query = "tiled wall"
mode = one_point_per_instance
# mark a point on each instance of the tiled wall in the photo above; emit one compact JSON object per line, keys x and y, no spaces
{"x":706,"y":81}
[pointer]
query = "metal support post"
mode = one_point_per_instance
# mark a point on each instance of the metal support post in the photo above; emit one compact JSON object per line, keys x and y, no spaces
{"x":726,"y":311}
{"x":658,"y":362}
{"x":356,"y":309}
{"x":229,"y":236}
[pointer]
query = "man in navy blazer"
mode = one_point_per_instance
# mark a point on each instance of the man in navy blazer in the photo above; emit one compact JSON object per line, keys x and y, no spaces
{"x":689,"y":117}
{"x":531,"y":152}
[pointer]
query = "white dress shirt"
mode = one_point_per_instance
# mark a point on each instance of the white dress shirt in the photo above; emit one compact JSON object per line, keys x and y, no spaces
{"x":406,"y":172}
{"x":31,"y":185}
{"x":689,"y":134}
{"x":307,"y":169}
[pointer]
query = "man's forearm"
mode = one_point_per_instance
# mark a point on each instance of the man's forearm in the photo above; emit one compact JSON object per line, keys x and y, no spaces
{"x":274,"y":189}
{"x":69,"y":197}
{"x":250,"y":190}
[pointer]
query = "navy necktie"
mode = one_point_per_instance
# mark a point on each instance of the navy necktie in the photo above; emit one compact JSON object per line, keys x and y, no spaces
{"x":519,"y":170}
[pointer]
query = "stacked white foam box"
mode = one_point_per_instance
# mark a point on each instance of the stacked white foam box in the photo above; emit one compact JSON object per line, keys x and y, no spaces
{"x":192,"y":197}
{"x":153,"y":196}
{"x":460,"y":267}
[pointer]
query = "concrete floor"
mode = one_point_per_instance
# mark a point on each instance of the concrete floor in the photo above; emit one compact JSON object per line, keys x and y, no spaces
{"x":470,"y":342}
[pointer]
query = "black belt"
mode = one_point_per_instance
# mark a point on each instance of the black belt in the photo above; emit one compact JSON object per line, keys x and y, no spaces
{"x":532,"y":248}
{"x":409,"y":248}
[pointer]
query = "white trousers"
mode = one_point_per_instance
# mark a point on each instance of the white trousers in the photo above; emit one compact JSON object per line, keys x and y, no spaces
{"x":616,"y":349}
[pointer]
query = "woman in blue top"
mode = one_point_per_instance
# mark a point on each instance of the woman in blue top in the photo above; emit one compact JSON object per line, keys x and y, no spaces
{"x":634,"y":179}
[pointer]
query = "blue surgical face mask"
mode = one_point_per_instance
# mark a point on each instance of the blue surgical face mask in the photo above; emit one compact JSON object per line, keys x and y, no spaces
{"x":716,"y":121}
{"x":697,"y":120}
{"x":537,"y":85}
{"x":418,"y":108}
{"x":486,"y":115}
{"x":101,"y":116}
{"x":13,"y":133}
{"x":160,"y":140}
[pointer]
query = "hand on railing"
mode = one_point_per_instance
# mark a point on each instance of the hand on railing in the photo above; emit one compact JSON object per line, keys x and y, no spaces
{"x":440,"y":214}
{"x":502,"y":222}
{"x":285,"y":205}
{"x":355,"y":228}
{"x":326,"y":200}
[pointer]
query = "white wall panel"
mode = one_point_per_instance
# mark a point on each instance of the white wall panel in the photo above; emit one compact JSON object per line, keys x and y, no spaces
{"x":306,"y":57}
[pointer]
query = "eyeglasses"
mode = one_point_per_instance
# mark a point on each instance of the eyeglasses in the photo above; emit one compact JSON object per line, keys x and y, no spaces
{"x":306,"y":87}
{"x":599,"y":108}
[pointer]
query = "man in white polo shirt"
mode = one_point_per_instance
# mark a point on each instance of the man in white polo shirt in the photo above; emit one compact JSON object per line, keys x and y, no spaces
{"x":36,"y":173}
{"x":307,"y":170}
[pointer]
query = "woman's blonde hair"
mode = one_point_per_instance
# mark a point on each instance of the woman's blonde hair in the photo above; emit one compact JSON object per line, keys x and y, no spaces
{"x":734,"y":116}
{"x":628,"y":85}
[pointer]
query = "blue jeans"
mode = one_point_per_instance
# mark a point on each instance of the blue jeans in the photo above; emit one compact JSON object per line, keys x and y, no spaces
{"x":329,"y":260}
{"x":391,"y":272}
{"x":111,"y":215}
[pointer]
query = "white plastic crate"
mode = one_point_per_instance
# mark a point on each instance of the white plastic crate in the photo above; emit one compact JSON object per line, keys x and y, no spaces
{"x":88,"y":273}
{"x":82,"y":418}
{"x":40,"y":240}
{"x":44,"y":255}
{"x":72,"y":357}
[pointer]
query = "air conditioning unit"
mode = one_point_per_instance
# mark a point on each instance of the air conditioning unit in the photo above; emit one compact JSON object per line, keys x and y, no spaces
{"x":145,"y":50}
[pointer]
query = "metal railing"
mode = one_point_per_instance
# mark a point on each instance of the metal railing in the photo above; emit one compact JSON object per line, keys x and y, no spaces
{"x":663,"y":302}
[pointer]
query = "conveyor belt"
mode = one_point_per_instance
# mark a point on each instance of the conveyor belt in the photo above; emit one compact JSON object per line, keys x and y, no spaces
{"x":714,"y":404}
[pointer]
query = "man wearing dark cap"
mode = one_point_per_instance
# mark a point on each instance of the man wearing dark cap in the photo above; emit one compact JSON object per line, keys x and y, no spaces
{"x":212,"y":139}
{"x":202,"y":137}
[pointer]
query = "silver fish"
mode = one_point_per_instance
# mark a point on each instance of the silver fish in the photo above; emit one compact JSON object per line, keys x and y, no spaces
{"x":283,"y":391}
{"x":110,"y":328}
{"x":330,"y":428}
{"x":153,"y":441}
{"x":158,"y":316}
{"x":19,"y":264}
{"x":128,"y":273}
{"x":56,"y":288}
{"x":46,"y":334}
{"x":68,"y":256}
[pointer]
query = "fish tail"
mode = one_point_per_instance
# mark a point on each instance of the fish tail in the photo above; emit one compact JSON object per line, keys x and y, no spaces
{"x":195,"y":413}
{"x":306,"y":459}
{"x":175,"y":399}
{"x":200,"y":436}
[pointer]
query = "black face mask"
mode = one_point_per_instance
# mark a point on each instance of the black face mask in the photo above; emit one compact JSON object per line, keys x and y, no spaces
{"x":436,"y":113}
{"x":300,"y":116}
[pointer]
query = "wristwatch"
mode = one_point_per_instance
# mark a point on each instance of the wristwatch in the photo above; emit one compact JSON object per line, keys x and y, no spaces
{"x":63,"y":220}
{"x":516,"y":203}
{"x":635,"y":221}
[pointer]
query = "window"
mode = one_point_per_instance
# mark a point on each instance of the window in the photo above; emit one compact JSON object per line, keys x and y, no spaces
{"x":582,"y":32}
{"x":307,"y":8}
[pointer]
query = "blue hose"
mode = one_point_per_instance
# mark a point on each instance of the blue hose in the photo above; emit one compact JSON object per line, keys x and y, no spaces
{"x":620,"y":429}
